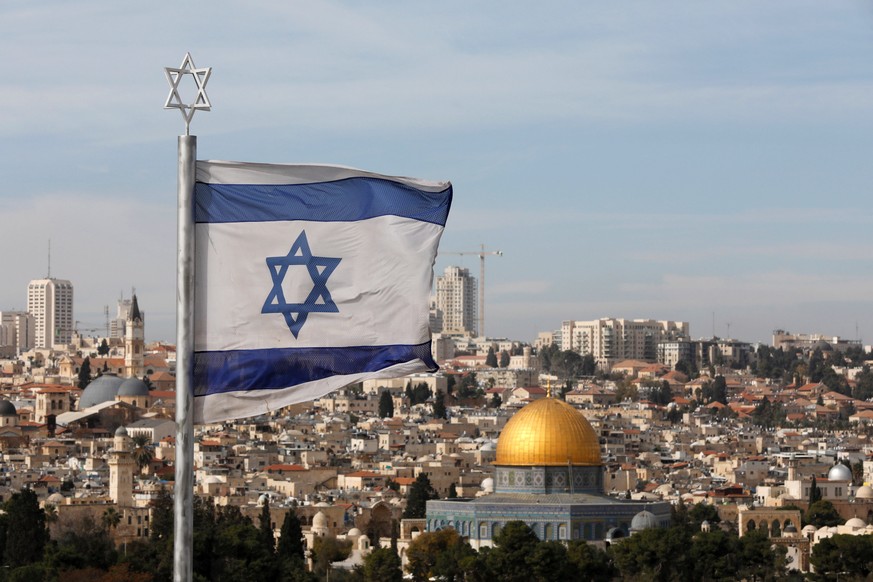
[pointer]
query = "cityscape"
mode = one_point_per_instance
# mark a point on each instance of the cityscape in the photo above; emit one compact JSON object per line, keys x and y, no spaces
{"x":482,"y":291}
{"x":589,"y":437}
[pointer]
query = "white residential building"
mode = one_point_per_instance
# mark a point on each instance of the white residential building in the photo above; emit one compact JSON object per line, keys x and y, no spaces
{"x":611,"y":340}
{"x":50,"y":301}
{"x":456,"y":302}
{"x":16,"y":332}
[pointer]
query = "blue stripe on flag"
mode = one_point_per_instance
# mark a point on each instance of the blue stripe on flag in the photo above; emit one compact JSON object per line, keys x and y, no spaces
{"x":342,"y":200}
{"x":275,"y":368}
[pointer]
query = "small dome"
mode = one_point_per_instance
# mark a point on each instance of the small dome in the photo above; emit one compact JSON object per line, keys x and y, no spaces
{"x":319,"y":520}
{"x":263,"y":500}
{"x":7,"y":408}
{"x":548,"y":432}
{"x":644,"y":520}
{"x":824,"y":346}
{"x":354,"y":532}
{"x":487,"y":485}
{"x":55,"y":499}
{"x":865,"y":492}
{"x":856,"y":523}
{"x":809,"y":529}
{"x":614,"y":534}
{"x":790,"y":528}
{"x":840,"y":472}
{"x":102,"y":389}
{"x":121,"y":431}
{"x":133,"y":387}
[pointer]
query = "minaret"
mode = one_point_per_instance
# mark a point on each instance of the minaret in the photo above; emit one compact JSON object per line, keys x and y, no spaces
{"x":134,"y":342}
{"x":121,"y":468}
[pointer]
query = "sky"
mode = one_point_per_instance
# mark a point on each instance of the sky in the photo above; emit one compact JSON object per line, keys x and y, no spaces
{"x":709,"y":162}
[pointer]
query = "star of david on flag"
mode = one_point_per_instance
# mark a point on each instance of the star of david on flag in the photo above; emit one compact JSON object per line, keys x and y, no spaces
{"x":306,"y":279}
{"x":318,"y":300}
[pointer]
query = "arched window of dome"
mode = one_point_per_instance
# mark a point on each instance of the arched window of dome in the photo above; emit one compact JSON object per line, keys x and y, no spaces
{"x":549,"y":533}
{"x":483,"y":531}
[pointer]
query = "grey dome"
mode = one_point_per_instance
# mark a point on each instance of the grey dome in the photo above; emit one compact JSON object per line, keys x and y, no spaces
{"x":7,"y":408}
{"x":103,"y":389}
{"x":614,"y":534}
{"x":121,"y":431}
{"x":133,"y":387}
{"x":840,"y":472}
{"x":644,"y":520}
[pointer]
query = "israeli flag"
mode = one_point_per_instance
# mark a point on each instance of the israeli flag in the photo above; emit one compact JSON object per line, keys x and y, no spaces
{"x":308,"y":278}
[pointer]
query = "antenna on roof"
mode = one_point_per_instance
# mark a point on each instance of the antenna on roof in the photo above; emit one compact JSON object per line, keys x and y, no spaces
{"x":49,"y":276}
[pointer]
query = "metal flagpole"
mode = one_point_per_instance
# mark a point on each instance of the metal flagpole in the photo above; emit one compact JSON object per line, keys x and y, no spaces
{"x":183,"y":500}
{"x":183,"y":505}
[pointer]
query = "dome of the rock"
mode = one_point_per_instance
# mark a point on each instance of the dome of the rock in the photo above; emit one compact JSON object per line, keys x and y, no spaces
{"x":548,"y":432}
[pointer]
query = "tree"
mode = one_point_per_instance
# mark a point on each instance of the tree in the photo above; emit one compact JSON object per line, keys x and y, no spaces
{"x":655,"y":554}
{"x":469,"y":386}
{"x":103,"y":348}
{"x":496,"y":401}
{"x":822,"y":513}
{"x":84,"y":373}
{"x":265,"y":527}
{"x":491,"y":358}
{"x":514,"y":546}
{"x":110,"y":518}
{"x":703,"y":512}
{"x":715,"y":391}
{"x":453,"y":492}
{"x":382,"y":565}
{"x":663,"y":395}
{"x":142,"y":451}
{"x":591,"y":563}
{"x":504,"y":359}
{"x":291,"y":545}
{"x":441,"y":554}
{"x":439,"y":405}
{"x":83,"y":545}
{"x":327,"y":550}
{"x":420,"y":493}
{"x":386,"y":405}
{"x":567,"y":365}
{"x":843,"y":557}
{"x":814,"y":491}
{"x":26,"y":534}
{"x":863,"y":384}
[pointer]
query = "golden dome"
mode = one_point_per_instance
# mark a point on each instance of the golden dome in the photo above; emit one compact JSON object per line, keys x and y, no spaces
{"x":548,"y":432}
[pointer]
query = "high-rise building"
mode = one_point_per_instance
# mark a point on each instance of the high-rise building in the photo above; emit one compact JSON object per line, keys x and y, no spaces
{"x":117,"y":328}
{"x":50,"y":301}
{"x":16,"y":332}
{"x":456,"y":302}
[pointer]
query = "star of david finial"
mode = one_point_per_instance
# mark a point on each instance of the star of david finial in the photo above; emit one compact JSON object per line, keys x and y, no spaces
{"x":174,"y":99}
{"x":317,"y":301}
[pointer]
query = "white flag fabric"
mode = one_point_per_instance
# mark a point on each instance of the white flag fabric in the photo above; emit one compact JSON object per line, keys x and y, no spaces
{"x":308,"y":278}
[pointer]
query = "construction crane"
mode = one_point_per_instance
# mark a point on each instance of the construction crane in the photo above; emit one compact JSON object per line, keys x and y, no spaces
{"x":482,"y":252}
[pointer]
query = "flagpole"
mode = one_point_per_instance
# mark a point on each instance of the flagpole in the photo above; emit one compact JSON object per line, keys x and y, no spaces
{"x":183,"y":501}
{"x":183,"y":490}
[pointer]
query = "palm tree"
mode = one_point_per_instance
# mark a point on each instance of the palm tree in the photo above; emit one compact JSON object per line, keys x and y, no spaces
{"x":142,"y":451}
{"x":110,"y":519}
